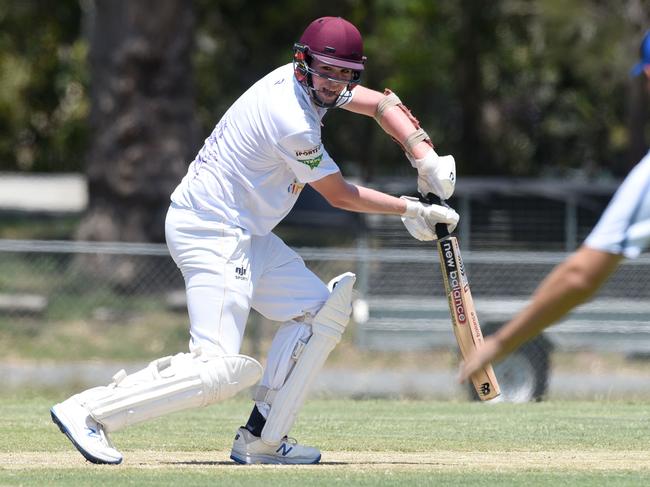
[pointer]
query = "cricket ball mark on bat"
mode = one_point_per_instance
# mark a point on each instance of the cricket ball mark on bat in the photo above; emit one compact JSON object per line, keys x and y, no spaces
{"x":463,"y":313}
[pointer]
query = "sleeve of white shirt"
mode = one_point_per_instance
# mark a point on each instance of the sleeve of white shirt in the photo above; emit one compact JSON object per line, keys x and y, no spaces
{"x":305,"y":155}
{"x":624,"y":227}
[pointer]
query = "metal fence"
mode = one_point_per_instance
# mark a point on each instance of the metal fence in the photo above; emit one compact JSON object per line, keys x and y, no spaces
{"x":399,"y":297}
{"x":499,"y":214}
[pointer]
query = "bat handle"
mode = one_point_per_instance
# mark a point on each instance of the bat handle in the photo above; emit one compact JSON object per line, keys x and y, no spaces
{"x":441,"y":228}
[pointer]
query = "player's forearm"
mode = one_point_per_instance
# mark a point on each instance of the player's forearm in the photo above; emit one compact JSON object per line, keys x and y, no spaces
{"x":366,"y":200}
{"x":342,"y":194}
{"x":396,"y":124}
{"x":567,"y":286}
{"x":393,"y":120}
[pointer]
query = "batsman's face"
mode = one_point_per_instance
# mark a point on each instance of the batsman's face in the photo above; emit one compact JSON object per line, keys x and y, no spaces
{"x":329,"y":81}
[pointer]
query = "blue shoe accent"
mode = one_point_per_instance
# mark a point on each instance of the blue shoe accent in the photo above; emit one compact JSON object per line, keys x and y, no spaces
{"x":85,"y":454}
{"x":237,"y":460}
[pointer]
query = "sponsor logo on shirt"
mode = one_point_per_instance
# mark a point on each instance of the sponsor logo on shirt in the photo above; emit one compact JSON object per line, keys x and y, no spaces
{"x":240,"y":273}
{"x":308,"y":152}
{"x":295,"y":187}
{"x":310,"y":157}
{"x":312,"y":163}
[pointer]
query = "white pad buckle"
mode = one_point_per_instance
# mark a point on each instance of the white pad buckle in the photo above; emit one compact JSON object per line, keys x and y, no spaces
{"x":298,"y":350}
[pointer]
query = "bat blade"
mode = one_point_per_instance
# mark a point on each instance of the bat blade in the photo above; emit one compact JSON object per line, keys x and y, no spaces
{"x":463,"y":314}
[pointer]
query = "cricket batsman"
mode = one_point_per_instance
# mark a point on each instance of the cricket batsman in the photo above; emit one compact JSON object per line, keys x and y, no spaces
{"x":622,"y":231}
{"x":219,"y":230}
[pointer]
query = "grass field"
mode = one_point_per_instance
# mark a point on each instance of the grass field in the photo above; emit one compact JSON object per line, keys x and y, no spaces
{"x":368,"y":443}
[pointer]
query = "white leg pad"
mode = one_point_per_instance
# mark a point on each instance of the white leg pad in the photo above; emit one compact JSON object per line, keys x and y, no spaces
{"x":286,"y":348}
{"x":327,"y":329}
{"x":167,"y":385}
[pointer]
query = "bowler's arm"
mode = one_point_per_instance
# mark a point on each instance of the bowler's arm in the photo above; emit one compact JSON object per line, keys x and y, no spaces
{"x":571,"y":283}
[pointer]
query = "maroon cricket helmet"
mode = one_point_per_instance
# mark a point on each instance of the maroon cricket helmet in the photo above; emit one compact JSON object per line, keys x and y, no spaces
{"x":335,"y":41}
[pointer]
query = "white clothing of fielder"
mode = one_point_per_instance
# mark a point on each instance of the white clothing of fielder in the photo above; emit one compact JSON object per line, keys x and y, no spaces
{"x":624,"y":227}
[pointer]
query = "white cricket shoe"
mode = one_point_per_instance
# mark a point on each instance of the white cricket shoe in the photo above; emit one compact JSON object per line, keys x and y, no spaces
{"x":248,"y":449}
{"x":86,"y":434}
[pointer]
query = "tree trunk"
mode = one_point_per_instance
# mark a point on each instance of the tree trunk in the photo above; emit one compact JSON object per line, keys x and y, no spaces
{"x":472,"y":42}
{"x":142,"y":115}
{"x":144,"y":131}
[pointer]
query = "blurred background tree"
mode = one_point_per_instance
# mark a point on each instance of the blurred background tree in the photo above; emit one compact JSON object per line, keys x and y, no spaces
{"x":510,"y":87}
{"x":143,"y":127}
{"x":43,"y":82}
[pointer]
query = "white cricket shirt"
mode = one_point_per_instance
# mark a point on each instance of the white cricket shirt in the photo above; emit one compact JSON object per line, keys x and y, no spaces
{"x":624,"y":227}
{"x":252,"y":167}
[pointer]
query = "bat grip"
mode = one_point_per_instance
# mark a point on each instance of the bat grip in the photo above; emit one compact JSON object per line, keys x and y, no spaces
{"x":441,"y":228}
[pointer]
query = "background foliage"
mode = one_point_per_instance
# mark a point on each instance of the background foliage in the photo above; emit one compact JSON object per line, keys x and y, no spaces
{"x":510,"y":87}
{"x":43,"y":86}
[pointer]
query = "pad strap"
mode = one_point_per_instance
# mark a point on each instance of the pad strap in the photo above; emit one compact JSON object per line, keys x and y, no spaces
{"x":265,"y":394}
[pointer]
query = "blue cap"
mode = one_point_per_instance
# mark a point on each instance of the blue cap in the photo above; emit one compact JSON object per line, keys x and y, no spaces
{"x":644,"y":53}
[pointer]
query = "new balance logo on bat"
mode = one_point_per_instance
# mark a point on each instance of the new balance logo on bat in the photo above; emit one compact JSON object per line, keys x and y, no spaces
{"x":485,"y":388}
{"x":450,"y":263}
{"x":455,"y":280}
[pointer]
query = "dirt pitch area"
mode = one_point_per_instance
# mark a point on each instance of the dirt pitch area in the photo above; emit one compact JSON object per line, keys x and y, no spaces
{"x":496,"y":461}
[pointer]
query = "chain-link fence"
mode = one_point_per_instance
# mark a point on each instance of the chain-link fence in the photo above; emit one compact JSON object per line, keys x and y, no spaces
{"x":61,"y":298}
{"x":499,"y":214}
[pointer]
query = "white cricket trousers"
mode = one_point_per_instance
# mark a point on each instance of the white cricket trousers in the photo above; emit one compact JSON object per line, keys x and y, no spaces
{"x":227,"y":271}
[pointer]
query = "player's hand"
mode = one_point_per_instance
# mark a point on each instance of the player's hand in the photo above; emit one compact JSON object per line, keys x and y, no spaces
{"x":479,"y":358}
{"x":436,"y":174}
{"x":420,"y":219}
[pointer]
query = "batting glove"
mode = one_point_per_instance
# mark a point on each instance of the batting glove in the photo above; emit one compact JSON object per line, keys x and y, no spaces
{"x":436,"y":174}
{"x":420,"y":219}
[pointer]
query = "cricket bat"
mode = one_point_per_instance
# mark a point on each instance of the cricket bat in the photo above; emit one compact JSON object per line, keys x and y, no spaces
{"x":463,"y":313}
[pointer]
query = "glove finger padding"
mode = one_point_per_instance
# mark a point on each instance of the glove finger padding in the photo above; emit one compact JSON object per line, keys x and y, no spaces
{"x":436,"y":175}
{"x":420,"y":219}
{"x":418,"y":229}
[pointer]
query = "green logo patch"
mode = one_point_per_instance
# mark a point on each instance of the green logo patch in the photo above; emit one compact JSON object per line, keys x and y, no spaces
{"x":312,"y":163}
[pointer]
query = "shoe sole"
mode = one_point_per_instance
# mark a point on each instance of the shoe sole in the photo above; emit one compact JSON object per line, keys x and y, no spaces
{"x":269,"y":460}
{"x":86,"y":455}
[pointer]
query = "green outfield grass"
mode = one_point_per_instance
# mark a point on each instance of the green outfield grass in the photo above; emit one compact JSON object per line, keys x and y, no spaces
{"x":363,"y":442}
